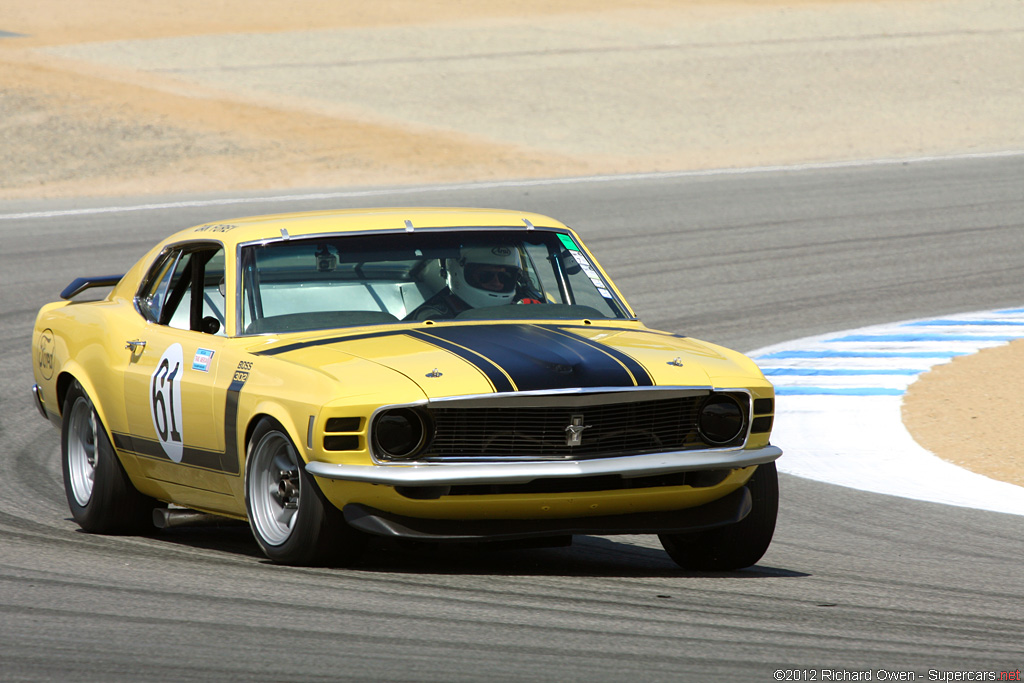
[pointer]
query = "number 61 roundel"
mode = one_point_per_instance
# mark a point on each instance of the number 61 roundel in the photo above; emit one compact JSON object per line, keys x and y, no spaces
{"x":165,"y":401}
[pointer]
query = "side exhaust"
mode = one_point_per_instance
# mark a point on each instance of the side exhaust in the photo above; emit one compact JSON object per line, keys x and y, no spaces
{"x":164,"y":518}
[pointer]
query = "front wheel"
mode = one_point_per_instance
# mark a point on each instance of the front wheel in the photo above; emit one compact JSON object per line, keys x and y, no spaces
{"x":737,"y":545}
{"x":290,"y":518}
{"x":100,"y":494}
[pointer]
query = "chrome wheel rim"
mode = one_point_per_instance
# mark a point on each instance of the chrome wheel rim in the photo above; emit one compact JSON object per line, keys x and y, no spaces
{"x":274,"y":488}
{"x":82,"y":436}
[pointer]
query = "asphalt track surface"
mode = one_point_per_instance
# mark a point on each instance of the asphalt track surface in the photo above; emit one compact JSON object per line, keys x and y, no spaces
{"x":853,"y":580}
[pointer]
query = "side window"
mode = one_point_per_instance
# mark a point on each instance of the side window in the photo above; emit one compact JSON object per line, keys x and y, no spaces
{"x":184,"y":290}
{"x":214,"y":290}
{"x":153,"y":295}
{"x":543,"y":274}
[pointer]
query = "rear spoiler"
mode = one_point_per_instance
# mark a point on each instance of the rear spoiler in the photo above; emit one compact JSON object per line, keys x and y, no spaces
{"x":80,"y":284}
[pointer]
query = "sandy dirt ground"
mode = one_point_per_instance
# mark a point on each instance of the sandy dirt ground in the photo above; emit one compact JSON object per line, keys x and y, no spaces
{"x":114,"y":98}
{"x":107,"y":98}
{"x":968,"y":411}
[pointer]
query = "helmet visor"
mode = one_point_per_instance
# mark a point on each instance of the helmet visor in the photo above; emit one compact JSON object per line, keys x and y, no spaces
{"x":492,"y":277}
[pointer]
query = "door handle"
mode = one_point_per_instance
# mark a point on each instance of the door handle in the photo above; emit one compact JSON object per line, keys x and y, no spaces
{"x":135,"y":346}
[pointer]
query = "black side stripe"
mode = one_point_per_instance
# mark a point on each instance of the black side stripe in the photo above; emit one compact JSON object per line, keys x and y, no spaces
{"x":491,"y":370}
{"x":231,"y":417}
{"x":325,"y":342}
{"x":214,"y":461}
{"x":639,"y":372}
{"x":225,"y":461}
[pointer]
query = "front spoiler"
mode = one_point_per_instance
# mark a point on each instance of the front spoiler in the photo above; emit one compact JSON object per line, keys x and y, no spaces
{"x":726,"y":510}
{"x":628,"y":467}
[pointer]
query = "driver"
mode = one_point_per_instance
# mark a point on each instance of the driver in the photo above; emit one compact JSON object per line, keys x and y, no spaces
{"x":481,"y":276}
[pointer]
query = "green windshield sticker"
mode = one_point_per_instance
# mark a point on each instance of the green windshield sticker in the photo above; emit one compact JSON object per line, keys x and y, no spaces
{"x":567,"y":242}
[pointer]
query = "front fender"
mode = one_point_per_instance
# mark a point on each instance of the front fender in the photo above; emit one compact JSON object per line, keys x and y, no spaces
{"x":283,"y":417}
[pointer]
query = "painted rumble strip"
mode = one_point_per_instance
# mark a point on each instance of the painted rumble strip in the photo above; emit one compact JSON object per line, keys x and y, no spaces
{"x":837,"y":415}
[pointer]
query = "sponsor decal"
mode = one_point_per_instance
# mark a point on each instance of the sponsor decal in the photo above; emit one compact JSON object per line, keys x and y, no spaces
{"x":201,"y":361}
{"x":591,"y":273}
{"x":216,"y":227}
{"x":568,"y":242}
{"x":242,"y":372}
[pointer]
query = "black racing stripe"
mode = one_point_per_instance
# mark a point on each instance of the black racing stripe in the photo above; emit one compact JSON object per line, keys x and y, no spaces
{"x":326,"y":341}
{"x":390,"y":333}
{"x":537,"y":359}
{"x":191,"y":456}
{"x":231,"y":422}
{"x":491,"y":370}
{"x":639,"y":372}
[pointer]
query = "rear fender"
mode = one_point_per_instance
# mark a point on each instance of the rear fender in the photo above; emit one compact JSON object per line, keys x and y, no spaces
{"x":71,"y":372}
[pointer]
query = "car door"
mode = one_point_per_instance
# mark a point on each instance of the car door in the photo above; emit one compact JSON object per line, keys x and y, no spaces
{"x":169,"y":382}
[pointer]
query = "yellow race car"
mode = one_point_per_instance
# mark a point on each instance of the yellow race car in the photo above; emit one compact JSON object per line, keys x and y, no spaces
{"x":430,"y":373}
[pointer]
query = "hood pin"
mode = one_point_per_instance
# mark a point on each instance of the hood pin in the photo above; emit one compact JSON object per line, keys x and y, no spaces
{"x":434,"y":373}
{"x":678,"y":362}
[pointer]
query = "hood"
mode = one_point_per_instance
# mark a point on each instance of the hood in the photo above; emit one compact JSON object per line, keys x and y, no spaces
{"x":452,"y":360}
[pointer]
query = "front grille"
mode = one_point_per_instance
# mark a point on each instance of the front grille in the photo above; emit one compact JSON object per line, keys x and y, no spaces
{"x":540,"y":432}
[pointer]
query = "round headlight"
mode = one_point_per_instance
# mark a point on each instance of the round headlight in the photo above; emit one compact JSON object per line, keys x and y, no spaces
{"x":399,"y":433}
{"x":721,"y":420}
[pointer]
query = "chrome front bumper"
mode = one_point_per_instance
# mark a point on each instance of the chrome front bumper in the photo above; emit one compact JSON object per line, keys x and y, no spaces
{"x":629,"y":467}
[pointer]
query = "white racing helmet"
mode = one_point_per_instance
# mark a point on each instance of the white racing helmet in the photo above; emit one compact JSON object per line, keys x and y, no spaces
{"x":485,"y":276}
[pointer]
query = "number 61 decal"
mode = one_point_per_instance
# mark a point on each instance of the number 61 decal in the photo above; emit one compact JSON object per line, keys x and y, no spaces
{"x":165,"y":402}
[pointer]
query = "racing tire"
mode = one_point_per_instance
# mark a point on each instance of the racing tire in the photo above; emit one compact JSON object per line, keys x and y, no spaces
{"x":737,"y":545}
{"x":291,"y":519}
{"x":100,"y":494}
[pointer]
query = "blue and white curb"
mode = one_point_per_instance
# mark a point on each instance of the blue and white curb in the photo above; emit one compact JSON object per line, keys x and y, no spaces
{"x":839,"y":398}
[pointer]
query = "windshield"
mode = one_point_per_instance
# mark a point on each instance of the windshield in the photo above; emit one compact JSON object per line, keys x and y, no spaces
{"x":328,"y":282}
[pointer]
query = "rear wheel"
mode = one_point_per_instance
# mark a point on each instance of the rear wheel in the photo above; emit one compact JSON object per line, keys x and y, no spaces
{"x":100,"y":495}
{"x":290,"y":518}
{"x":737,"y":545}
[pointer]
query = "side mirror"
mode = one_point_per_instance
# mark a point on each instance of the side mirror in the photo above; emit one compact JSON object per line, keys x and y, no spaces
{"x":210,"y":325}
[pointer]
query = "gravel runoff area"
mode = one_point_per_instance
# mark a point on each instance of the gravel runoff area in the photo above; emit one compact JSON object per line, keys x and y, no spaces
{"x":107,"y":98}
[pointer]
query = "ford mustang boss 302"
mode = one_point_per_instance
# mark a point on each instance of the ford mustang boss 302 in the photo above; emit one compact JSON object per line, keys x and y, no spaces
{"x":430,"y":374}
